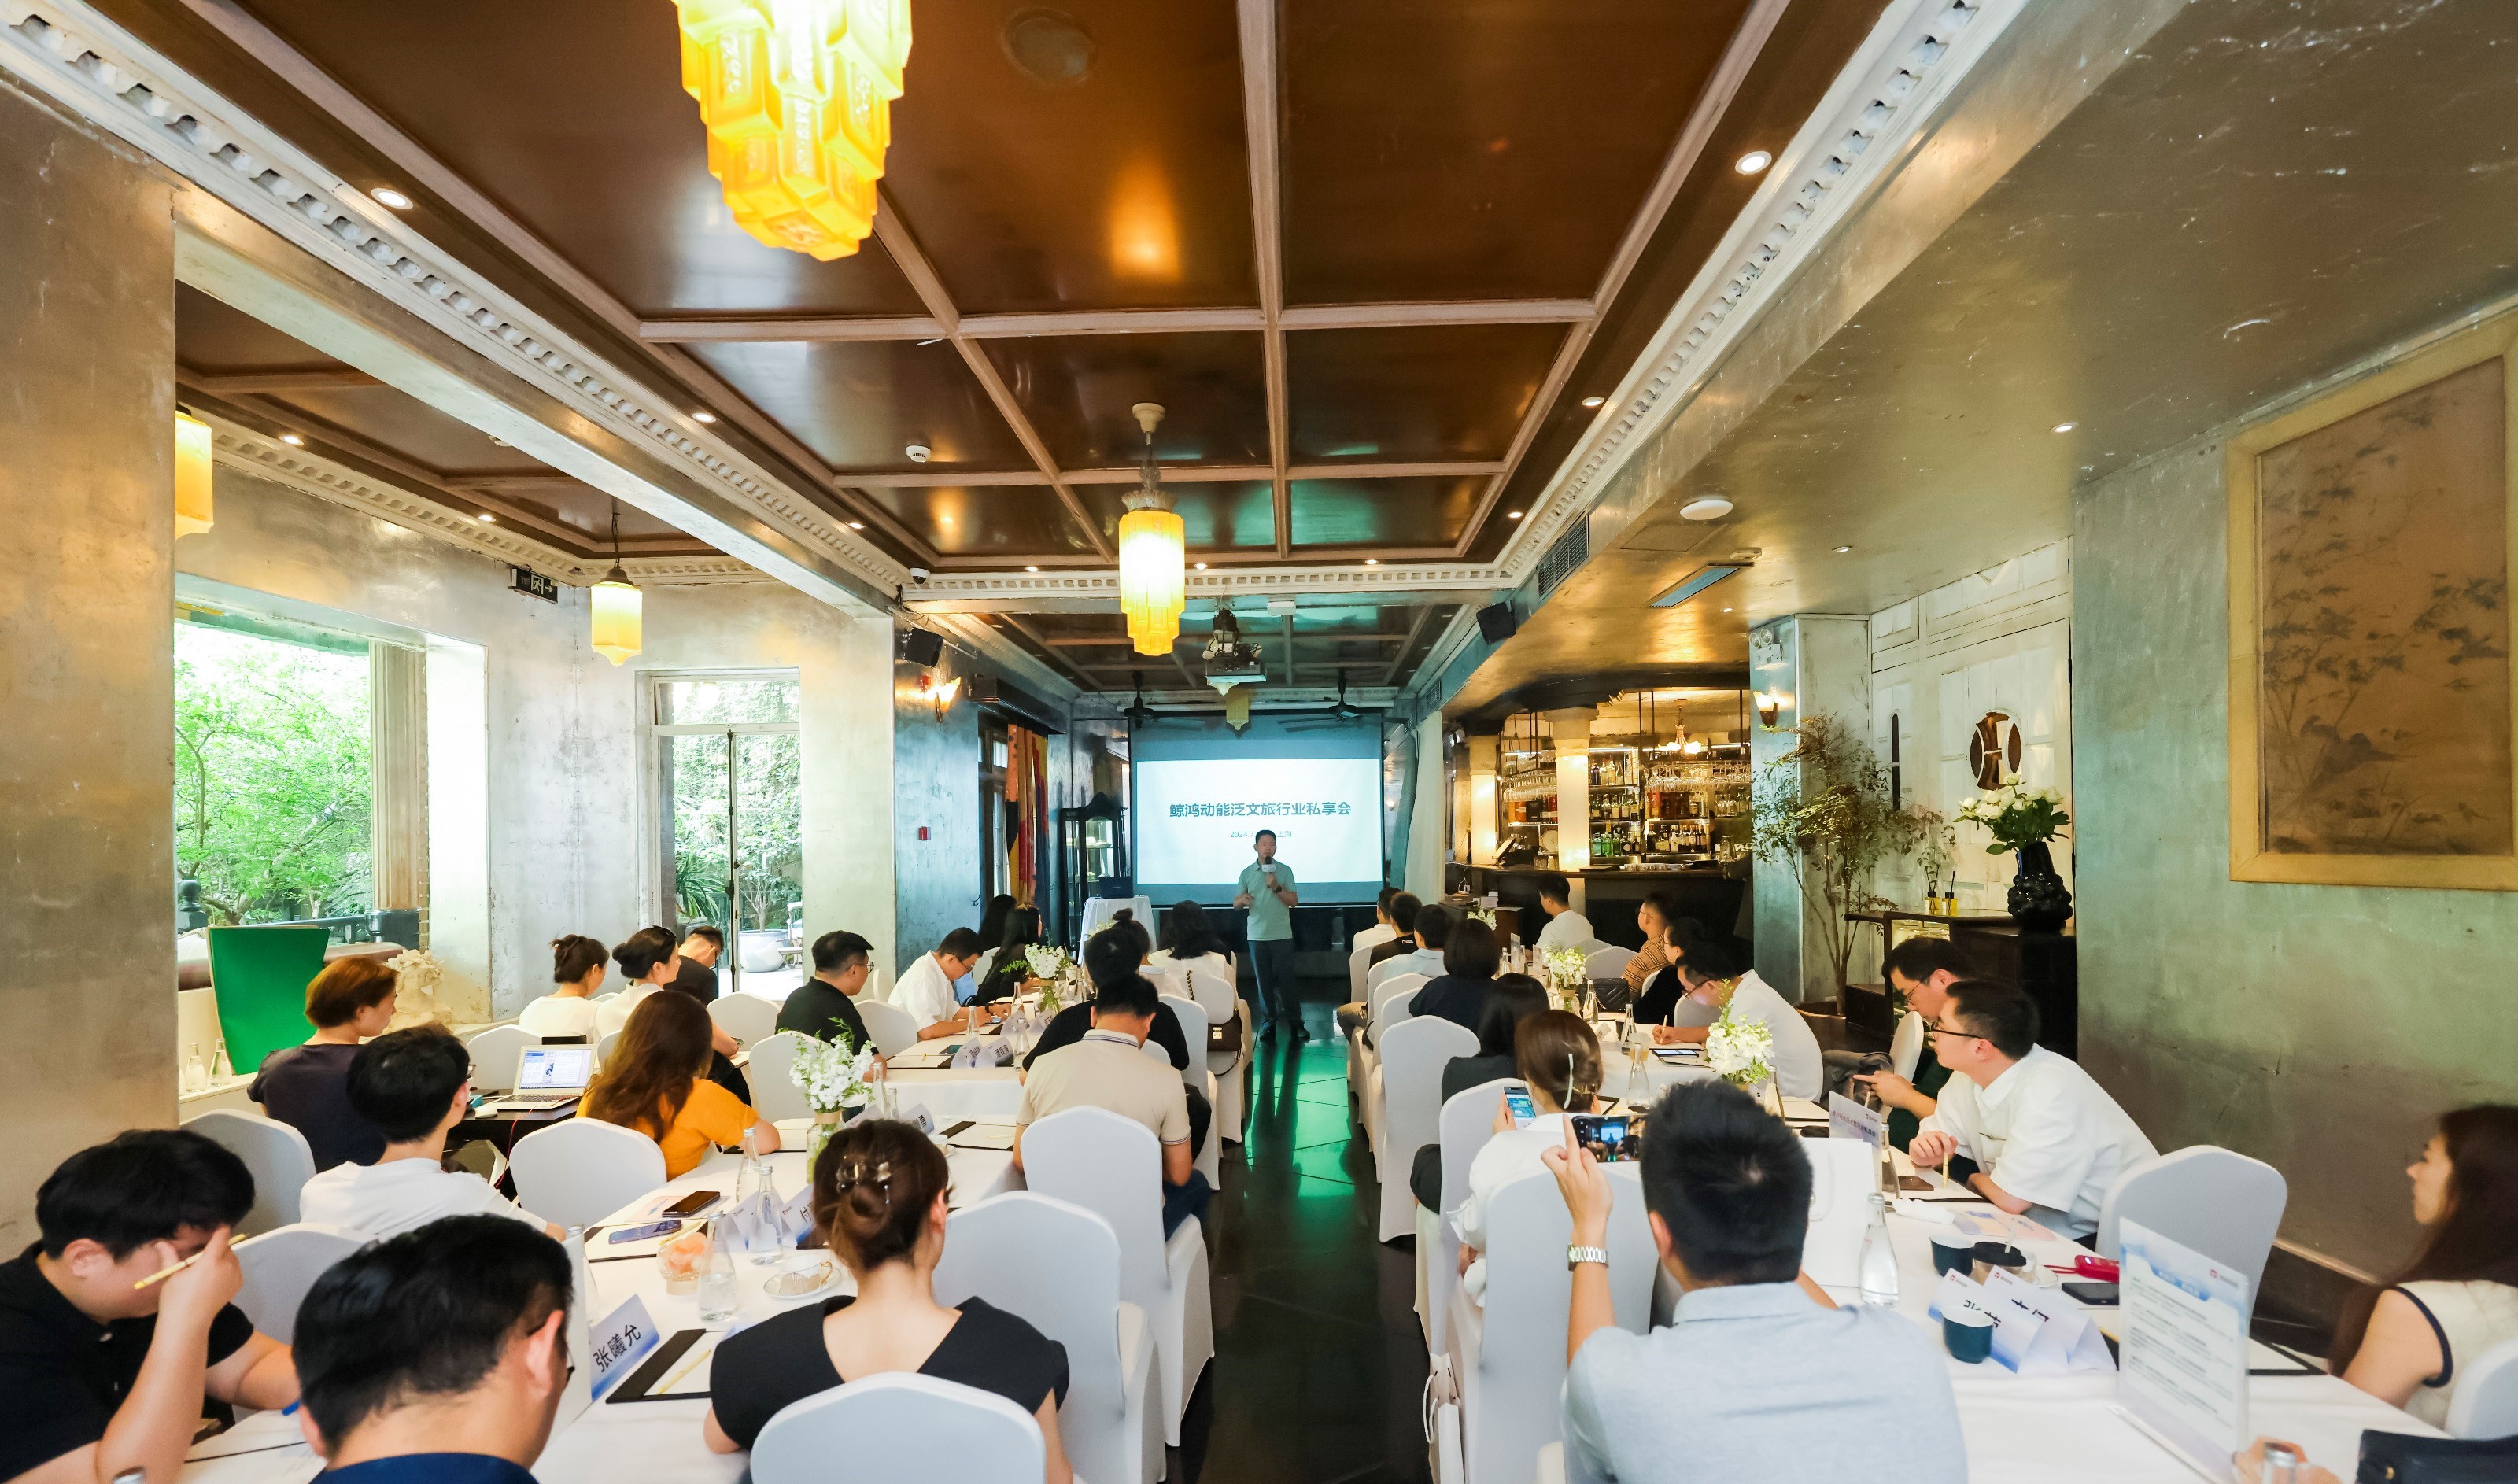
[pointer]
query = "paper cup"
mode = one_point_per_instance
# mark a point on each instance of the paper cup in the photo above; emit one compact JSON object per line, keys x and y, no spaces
{"x":1969,"y":1335}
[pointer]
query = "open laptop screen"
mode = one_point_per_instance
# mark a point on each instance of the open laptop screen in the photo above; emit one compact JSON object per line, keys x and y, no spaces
{"x":554,"y":1069}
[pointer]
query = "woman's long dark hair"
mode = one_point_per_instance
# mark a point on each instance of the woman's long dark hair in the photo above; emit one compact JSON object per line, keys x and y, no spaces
{"x":1190,"y":934}
{"x":1009,"y":968}
{"x":992,"y":922}
{"x":662,"y":1053}
{"x":1510,"y":1000}
{"x":2477,"y":1236}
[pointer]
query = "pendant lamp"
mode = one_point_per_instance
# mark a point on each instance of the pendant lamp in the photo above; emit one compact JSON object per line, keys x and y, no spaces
{"x":1154,"y":578}
{"x":191,"y":475}
{"x":619,"y":628}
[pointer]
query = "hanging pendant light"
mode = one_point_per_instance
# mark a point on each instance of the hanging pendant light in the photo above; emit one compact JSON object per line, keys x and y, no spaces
{"x":1153,"y":540}
{"x":619,"y":626}
{"x":191,"y":475}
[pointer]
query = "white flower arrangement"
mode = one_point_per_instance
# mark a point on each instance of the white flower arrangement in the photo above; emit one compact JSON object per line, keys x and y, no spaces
{"x":1740,"y":1050}
{"x":1567,"y":970}
{"x":833,"y":1073}
{"x":1483,"y":914}
{"x":1047,"y":960}
{"x":2016,"y":814}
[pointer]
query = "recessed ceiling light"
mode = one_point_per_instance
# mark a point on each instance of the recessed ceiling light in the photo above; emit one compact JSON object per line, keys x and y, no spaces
{"x":1727,"y":610}
{"x":856,"y":525}
{"x":293,"y":440}
{"x":1753,"y":162}
{"x":1512,"y":515}
{"x":1031,"y":569}
{"x":1593,"y":401}
{"x":1373,"y":561}
{"x":2065,"y":427}
{"x":1841,"y":551}
{"x":703,"y":417}
{"x":1706,"y":507}
{"x":1201,"y":566}
{"x":486,"y":518}
{"x":391,"y":197}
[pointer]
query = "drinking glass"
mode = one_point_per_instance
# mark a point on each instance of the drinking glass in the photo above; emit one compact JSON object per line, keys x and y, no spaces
{"x":717,"y":1288}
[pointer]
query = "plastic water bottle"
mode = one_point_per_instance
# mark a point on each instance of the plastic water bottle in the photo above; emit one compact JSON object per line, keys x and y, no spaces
{"x":1879,"y":1258}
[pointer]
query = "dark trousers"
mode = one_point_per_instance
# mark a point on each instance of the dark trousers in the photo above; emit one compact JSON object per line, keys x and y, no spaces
{"x":1273,"y":961}
{"x":1202,"y":1116}
{"x":1184,"y":1200}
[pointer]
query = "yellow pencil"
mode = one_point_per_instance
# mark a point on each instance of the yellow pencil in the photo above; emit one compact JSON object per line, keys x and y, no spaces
{"x":162,"y":1274}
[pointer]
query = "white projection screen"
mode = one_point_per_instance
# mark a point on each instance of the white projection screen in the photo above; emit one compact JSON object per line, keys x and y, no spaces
{"x":1200,"y":792}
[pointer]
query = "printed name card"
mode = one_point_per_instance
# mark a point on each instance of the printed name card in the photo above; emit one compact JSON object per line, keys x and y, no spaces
{"x":2184,"y":1337}
{"x":1849,"y":1119}
{"x":620,"y":1340}
{"x":2034,"y":1332}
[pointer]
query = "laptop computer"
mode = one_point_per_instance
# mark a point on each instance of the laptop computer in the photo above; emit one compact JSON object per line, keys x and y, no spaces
{"x":548,"y":1076}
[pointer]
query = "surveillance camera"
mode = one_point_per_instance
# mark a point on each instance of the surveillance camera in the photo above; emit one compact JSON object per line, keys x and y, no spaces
{"x":918,"y":575}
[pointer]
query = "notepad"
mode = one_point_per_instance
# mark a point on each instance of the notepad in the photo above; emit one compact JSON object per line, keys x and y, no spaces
{"x":975,"y":1134}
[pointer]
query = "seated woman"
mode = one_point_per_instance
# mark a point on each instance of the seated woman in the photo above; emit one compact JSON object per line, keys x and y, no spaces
{"x":993,"y":936}
{"x":577,"y":966}
{"x":1194,"y":960}
{"x":1557,"y":1056}
{"x":308,"y":1086}
{"x":1010,"y":973}
{"x":655,"y":1083}
{"x":1658,"y":997}
{"x":879,"y":1201}
{"x":1659,"y":920}
{"x":646,"y":959}
{"x":1459,"y":994}
{"x":1510,"y":1000}
{"x":2409,"y":1344}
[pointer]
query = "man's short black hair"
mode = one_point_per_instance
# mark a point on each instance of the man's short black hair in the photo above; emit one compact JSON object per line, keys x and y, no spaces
{"x":425,"y":1314}
{"x":1919,"y":958}
{"x":1732,"y":1183}
{"x":1433,"y":926}
{"x":836,"y":952}
{"x":403,"y":1080}
{"x":1710,"y":958}
{"x":1404,"y":908}
{"x":142,"y":1186}
{"x":1263,"y":835}
{"x":704,"y":933}
{"x":961,"y":942}
{"x":1382,"y":901}
{"x":1553,"y":887}
{"x":2000,"y":1013}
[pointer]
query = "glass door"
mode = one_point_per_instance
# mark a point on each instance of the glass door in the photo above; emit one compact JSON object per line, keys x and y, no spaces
{"x":729,"y":813}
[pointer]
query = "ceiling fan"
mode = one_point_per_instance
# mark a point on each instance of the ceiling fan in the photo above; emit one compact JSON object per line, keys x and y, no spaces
{"x":1322,"y":720}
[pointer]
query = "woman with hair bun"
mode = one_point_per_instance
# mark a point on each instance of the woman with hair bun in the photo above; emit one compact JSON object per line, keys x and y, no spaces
{"x":578,"y":967}
{"x":880,"y":1189}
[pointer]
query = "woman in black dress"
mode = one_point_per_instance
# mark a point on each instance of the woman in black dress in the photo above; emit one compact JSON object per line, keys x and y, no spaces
{"x":879,"y":1191}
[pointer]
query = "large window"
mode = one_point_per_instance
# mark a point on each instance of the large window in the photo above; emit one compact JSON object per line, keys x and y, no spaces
{"x":729,"y":818}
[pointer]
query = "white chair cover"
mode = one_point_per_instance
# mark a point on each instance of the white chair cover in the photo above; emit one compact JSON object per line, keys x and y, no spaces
{"x":774,"y":1092}
{"x":1193,"y":1024}
{"x":1906,"y":1047}
{"x":895,"y":1030}
{"x":2220,"y":1202}
{"x":2486,"y":1404}
{"x":1412,"y":1058}
{"x":603,"y":1048}
{"x":580,"y":1171}
{"x":988,"y":961}
{"x":496,"y":1053}
{"x":1463,"y":1127}
{"x":1098,"y":911}
{"x":748,"y":1018}
{"x":1056,"y":1266}
{"x":280,"y":1265}
{"x":275,"y":1155}
{"x":895,"y":1427}
{"x":1608,"y":961}
{"x":1389,"y":1007}
{"x":1390,"y":1001}
{"x":1844,"y":1172}
{"x":1210,"y":981}
{"x":1114,"y":1166}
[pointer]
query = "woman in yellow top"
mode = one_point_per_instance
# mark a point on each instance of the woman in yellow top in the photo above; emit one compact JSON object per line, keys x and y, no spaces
{"x":657,"y":1084}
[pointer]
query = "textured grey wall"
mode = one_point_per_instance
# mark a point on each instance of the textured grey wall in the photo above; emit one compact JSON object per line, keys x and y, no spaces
{"x":935,"y":785}
{"x":2313,"y":1028}
{"x":87,"y":438}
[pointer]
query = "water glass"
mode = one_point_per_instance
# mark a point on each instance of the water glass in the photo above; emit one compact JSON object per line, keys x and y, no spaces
{"x":717,"y":1290}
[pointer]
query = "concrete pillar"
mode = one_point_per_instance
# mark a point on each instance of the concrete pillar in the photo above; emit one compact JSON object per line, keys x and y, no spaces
{"x":1572,"y":729}
{"x":1805,"y":665}
{"x":397,"y":720}
{"x":1485,"y":761}
{"x":87,"y":438}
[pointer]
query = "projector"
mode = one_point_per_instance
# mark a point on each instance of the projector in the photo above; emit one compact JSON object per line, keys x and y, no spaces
{"x":1229,"y":661}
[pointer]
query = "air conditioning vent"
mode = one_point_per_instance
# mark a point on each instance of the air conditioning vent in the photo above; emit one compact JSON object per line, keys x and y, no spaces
{"x":1571,"y":550}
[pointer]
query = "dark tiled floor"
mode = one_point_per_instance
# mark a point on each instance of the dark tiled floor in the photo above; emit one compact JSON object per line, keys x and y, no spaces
{"x":1320,"y":1365}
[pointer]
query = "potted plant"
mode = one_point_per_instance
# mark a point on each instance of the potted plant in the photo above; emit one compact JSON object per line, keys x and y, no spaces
{"x":2022,"y":819}
{"x":1823,"y":811}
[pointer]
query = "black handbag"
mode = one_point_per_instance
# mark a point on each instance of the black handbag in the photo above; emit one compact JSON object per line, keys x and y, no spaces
{"x":2400,"y":1457}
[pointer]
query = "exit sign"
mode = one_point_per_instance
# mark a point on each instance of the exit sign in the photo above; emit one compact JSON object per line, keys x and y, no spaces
{"x":532,"y":584}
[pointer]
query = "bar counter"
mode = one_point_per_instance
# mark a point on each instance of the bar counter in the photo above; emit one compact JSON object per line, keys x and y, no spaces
{"x":1609,"y":896}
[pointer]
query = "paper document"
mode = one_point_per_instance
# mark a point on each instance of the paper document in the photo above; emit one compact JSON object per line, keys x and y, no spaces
{"x":257,"y":1432}
{"x":982,"y":1134}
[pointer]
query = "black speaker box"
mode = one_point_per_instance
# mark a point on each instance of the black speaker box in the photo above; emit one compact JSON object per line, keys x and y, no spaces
{"x":1496,"y":623}
{"x":920,"y":646}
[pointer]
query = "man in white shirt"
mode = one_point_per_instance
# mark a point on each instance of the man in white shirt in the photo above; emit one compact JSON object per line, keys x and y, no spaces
{"x":1566,"y":927}
{"x":1383,"y":930}
{"x":1716,"y":977}
{"x":2047,"y":1140}
{"x":926,"y":987}
{"x":416,"y":1086}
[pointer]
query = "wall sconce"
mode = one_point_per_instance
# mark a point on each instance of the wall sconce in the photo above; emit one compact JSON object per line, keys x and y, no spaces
{"x":1769,"y":706}
{"x":943,"y":694}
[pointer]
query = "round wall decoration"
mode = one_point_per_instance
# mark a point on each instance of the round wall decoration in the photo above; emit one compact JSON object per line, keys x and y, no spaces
{"x":1993,"y":750}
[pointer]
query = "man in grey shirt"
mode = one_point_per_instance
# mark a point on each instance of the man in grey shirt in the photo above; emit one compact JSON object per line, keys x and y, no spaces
{"x":1761,"y":1376}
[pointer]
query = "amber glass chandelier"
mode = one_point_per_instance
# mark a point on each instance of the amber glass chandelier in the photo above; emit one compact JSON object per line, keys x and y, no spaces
{"x":796,"y":99}
{"x":619,"y":626}
{"x":1153,"y":585}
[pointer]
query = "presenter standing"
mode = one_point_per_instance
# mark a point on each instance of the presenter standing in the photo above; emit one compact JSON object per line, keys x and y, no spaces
{"x":1268,"y":892}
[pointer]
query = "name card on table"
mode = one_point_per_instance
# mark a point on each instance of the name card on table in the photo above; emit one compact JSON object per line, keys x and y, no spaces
{"x":620,"y":1340}
{"x":2034,"y":1334}
{"x":2185,"y":1340}
{"x":1849,"y":1119}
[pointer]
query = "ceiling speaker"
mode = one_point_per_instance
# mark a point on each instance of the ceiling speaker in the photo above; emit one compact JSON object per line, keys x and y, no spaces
{"x":920,"y":646}
{"x":1496,"y":623}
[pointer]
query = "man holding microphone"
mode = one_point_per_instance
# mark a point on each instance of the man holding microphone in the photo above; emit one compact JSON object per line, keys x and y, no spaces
{"x":1268,"y":893}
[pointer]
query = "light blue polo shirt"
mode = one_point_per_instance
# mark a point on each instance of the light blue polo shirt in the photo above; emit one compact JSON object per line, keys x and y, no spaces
{"x":1269,"y":919}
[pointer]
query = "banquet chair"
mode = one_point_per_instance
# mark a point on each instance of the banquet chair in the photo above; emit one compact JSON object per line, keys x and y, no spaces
{"x":1217,"y":993}
{"x":280,"y":1265}
{"x":1844,"y":1172}
{"x":1607,"y":961}
{"x":1508,"y":1357}
{"x":1906,"y":1046}
{"x":1056,"y":1266}
{"x":748,"y":1018}
{"x":1192,"y":1024}
{"x":1412,"y":1058}
{"x":2220,"y":1202}
{"x":900,"y":1425}
{"x":576,"y":1172}
{"x":1463,"y":1126}
{"x":1389,"y":1008}
{"x":495,"y":1052}
{"x":894,"y":1028}
{"x":1113,"y":1167}
{"x":2486,"y":1405}
{"x":275,"y":1155}
{"x":987,"y":960}
{"x":1357,"y":963}
{"x":603,"y":1048}
{"x":770,"y":1072}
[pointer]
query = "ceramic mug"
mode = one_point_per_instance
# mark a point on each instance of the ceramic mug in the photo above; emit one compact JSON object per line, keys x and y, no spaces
{"x":1969,"y":1335}
{"x":1952,"y":1253}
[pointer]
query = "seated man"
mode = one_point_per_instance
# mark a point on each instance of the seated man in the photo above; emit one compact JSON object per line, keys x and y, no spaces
{"x":925,"y":988}
{"x":1399,"y":910}
{"x":824,"y":1005}
{"x":1433,"y":934}
{"x":440,"y":1355}
{"x":98,"y":1377}
{"x":1566,"y":927}
{"x":415,"y":1085}
{"x":2047,"y":1140}
{"x":1921,"y":970}
{"x":695,"y":963}
{"x":1384,"y":929}
{"x":1759,"y":1376}
{"x":1109,"y":1068}
{"x":1712,"y":976}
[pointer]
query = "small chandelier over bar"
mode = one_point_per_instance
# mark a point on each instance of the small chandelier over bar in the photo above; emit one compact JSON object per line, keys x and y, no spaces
{"x":796,"y":99}
{"x":191,"y":475}
{"x":620,"y":627}
{"x":1153,"y":585}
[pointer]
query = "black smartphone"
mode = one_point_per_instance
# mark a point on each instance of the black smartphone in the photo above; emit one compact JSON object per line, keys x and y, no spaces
{"x":2098,"y":1295}
{"x":690,"y":1205}
{"x":1609,"y":1137}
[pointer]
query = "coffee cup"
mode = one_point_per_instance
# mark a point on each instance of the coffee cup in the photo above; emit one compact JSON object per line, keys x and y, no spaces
{"x":1953,"y":1252}
{"x":1990,"y":1257}
{"x":1969,"y":1335}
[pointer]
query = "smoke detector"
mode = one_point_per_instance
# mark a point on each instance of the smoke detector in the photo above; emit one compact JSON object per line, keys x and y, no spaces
{"x":1706,"y":507}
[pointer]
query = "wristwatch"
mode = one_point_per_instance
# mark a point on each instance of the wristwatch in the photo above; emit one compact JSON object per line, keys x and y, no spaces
{"x":1576,"y":1255}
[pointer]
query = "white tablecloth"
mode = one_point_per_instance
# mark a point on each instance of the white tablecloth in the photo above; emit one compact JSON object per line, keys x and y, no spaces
{"x":2067,"y":1430}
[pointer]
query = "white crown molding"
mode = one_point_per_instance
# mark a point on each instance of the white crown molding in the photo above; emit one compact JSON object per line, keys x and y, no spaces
{"x":945,"y":590}
{"x":234,"y":446}
{"x":1881,"y":101}
{"x":83,"y":60}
